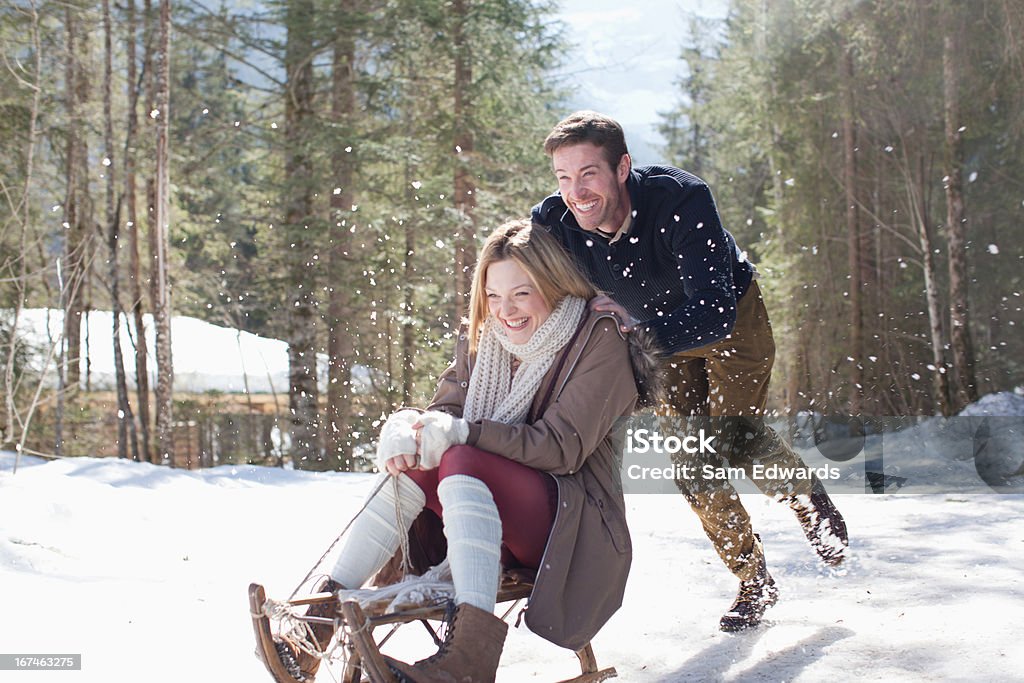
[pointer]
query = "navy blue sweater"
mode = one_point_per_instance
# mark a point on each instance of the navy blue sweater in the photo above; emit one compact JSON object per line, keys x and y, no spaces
{"x":676,"y":269}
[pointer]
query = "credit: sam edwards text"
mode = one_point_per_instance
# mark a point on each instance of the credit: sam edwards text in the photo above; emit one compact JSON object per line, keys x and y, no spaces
{"x":758,"y":471}
{"x":648,"y":441}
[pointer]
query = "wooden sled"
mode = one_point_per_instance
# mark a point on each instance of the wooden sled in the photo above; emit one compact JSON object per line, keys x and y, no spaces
{"x":265,"y":650}
{"x":364,"y":661}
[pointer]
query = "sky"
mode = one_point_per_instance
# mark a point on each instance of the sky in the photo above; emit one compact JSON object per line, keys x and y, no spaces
{"x":627,"y":61}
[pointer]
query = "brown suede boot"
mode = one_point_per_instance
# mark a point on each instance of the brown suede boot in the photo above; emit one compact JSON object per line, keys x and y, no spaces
{"x":754,"y":597}
{"x":822,"y":523}
{"x":469,"y":654}
{"x":756,"y":594}
{"x":300,"y":664}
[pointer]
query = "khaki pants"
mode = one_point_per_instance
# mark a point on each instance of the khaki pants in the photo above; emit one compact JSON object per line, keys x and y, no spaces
{"x":724,"y":387}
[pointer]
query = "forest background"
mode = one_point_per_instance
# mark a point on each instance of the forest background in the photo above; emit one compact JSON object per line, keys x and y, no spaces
{"x":323,"y":172}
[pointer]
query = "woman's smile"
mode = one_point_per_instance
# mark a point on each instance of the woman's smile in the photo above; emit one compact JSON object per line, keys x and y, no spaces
{"x":514,"y":300}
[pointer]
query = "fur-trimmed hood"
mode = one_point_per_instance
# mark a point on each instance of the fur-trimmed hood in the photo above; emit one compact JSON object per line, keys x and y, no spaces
{"x":645,"y":356}
{"x":647,"y":360}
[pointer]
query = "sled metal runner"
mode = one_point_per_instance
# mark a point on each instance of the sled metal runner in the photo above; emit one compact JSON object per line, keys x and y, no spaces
{"x":364,"y":661}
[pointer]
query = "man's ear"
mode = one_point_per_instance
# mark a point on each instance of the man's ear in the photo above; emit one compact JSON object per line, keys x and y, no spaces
{"x":622,"y":172}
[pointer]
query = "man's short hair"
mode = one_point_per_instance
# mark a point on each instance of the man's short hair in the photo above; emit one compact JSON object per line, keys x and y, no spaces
{"x":589,"y":126}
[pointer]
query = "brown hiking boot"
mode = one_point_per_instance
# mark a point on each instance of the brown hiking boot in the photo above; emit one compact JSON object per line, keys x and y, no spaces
{"x":301,"y":664}
{"x":469,"y":654}
{"x":755,"y":596}
{"x":822,"y":523}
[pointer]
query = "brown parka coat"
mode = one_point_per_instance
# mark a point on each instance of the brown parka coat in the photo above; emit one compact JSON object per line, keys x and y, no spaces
{"x":582,"y":575}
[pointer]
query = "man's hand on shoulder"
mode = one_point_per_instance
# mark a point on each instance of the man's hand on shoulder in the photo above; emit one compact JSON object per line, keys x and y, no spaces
{"x":606,"y":304}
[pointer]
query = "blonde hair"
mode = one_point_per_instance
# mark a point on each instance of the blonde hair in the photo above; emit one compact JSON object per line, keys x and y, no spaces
{"x":539,"y":254}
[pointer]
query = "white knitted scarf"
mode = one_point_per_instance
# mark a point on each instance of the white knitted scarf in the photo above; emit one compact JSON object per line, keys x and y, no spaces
{"x":494,"y":394}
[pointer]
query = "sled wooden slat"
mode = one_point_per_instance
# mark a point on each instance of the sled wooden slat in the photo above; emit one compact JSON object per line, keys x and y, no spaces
{"x":378,"y":616}
{"x":515,"y":585}
{"x":265,"y":650}
{"x":596,"y":677}
{"x":371,"y":661}
{"x":353,"y":669}
{"x":591,"y":674}
{"x":365,"y":661}
{"x":313,"y":599}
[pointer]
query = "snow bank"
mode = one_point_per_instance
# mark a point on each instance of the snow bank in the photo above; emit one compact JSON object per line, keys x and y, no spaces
{"x":143,"y":570}
{"x":206,"y":356}
{"x":1004,"y":404}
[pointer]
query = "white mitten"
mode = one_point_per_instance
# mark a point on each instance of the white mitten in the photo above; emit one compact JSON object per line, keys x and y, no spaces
{"x":440,"y":432}
{"x":396,"y":436}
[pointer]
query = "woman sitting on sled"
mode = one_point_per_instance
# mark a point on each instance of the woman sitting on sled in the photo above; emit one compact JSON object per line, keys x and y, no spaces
{"x":517,"y":454}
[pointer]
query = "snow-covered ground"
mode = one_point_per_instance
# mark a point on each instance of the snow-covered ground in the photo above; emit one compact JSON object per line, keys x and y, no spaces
{"x":143,"y":570}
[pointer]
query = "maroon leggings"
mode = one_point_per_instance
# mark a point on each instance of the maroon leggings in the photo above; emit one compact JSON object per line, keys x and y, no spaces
{"x":525,"y":497}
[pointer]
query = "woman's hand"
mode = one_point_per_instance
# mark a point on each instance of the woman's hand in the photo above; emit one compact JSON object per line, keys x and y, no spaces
{"x":398,"y":440}
{"x":436,"y":432}
{"x":606,"y":304}
{"x":405,"y":461}
{"x":401,"y":463}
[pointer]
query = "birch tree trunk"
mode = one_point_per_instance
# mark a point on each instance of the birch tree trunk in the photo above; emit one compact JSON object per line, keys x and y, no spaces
{"x":77,"y":233}
{"x":922,"y":222}
{"x":131,"y":206}
{"x":160,"y":225}
{"x":408,"y":302}
{"x":465,"y":186}
{"x":7,"y":433}
{"x":150,"y":39}
{"x":966,"y":390}
{"x":340,"y":346}
{"x":125,"y":420}
{"x":853,"y":232}
{"x":303,"y":394}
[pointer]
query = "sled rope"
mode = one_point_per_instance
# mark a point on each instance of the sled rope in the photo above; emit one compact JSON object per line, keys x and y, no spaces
{"x":327,"y":552}
{"x":403,"y":537}
{"x":299,"y":634}
{"x":349,"y":631}
{"x":296,"y":631}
